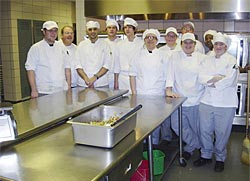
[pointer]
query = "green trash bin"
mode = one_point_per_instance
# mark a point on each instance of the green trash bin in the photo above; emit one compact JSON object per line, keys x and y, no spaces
{"x":158,"y":157}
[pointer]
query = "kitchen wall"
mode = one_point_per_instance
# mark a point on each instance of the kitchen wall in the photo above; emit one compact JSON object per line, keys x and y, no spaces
{"x":61,"y":11}
{"x":64,"y":12}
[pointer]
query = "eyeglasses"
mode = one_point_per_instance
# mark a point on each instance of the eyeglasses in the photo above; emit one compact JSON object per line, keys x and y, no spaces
{"x":151,"y":38}
{"x":171,"y":36}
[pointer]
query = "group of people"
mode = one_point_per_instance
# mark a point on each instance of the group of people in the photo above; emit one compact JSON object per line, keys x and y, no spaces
{"x":179,"y":69}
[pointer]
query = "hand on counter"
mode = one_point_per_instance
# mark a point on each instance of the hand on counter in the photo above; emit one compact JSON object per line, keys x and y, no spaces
{"x":170,"y":93}
{"x":245,"y":69}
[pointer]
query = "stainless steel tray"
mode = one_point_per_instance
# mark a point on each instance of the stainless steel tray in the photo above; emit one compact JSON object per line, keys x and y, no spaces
{"x":103,"y":136}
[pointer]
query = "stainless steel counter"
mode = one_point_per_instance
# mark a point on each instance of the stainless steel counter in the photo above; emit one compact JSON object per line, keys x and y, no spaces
{"x":37,"y":114}
{"x":54,"y":156}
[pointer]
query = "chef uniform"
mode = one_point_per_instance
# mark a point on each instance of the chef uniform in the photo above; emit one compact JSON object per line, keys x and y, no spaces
{"x":49,"y":63}
{"x":182,"y":76}
{"x":166,"y":48}
{"x":113,"y":51}
{"x":91,"y":57}
{"x":70,"y":54}
{"x":198,"y":47}
{"x":218,"y":104}
{"x":126,"y":51}
{"x":166,"y":132}
{"x":212,"y":33}
{"x":149,"y":69}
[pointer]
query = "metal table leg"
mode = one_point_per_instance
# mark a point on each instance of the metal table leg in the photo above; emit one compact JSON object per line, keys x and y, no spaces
{"x":181,"y":159}
{"x":150,"y":158}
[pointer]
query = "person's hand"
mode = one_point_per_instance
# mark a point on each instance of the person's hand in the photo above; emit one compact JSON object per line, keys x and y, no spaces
{"x":34,"y":94}
{"x":172,"y":94}
{"x":247,"y":67}
{"x":215,"y":79}
{"x":87,"y":80}
{"x":92,"y":81}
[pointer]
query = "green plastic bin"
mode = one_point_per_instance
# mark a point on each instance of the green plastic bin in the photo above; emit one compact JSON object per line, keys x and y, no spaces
{"x":158,"y":157}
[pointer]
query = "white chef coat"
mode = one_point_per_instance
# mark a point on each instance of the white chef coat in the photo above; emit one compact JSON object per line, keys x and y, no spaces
{"x":150,"y":71}
{"x":225,"y":92}
{"x":182,"y":76}
{"x":210,"y":53}
{"x":91,"y":57}
{"x":114,"y":56}
{"x":48,"y":63}
{"x":71,"y":51}
{"x":167,"y":48}
{"x":126,"y":51}
{"x":168,"y":51}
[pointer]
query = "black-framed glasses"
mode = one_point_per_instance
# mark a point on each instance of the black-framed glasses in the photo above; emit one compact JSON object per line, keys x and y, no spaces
{"x":151,"y":38}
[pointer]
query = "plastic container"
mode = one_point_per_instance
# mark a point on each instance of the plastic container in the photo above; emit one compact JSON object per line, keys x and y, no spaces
{"x":142,"y":172}
{"x":158,"y":157}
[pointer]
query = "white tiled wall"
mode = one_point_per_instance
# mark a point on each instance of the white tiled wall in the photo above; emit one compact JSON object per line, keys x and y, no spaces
{"x":61,"y":11}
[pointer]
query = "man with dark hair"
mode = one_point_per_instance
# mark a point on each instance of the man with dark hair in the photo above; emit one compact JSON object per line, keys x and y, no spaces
{"x":93,"y":58}
{"x":112,"y":27}
{"x":126,"y":50}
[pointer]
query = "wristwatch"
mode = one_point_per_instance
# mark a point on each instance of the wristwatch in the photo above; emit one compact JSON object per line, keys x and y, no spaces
{"x":97,"y":77}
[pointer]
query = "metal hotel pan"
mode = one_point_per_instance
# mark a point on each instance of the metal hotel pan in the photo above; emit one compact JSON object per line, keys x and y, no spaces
{"x":104,"y":136}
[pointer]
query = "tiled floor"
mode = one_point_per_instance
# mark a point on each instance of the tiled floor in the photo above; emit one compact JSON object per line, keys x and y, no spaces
{"x":234,"y":169}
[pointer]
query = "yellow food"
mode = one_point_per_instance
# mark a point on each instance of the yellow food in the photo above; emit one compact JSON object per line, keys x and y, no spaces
{"x":108,"y":122}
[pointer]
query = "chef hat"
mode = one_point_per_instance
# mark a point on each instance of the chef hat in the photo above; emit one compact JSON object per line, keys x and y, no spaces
{"x":209,"y":32}
{"x":92,"y":24}
{"x":49,"y":25}
{"x":130,"y":21}
{"x":112,"y":22}
{"x":171,"y":29}
{"x":151,"y":31}
{"x":224,"y":38}
{"x":188,"y":36}
{"x":189,"y":23}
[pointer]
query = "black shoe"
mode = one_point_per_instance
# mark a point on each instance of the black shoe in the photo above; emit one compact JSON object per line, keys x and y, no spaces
{"x":186,"y":155}
{"x":202,"y":161}
{"x":219,"y":166}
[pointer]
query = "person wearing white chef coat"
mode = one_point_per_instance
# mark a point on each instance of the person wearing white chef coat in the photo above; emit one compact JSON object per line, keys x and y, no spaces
{"x":219,"y":74}
{"x":208,"y":37}
{"x":182,"y":81}
{"x":47,"y":66}
{"x":171,"y":36}
{"x":112,"y":27}
{"x":188,"y":27}
{"x":93,"y":58}
{"x":147,"y":71}
{"x":127,"y":49}
{"x":67,"y":38}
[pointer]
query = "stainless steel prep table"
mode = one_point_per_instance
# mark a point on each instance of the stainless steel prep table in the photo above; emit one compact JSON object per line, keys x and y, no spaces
{"x":54,"y":156}
{"x":35,"y":115}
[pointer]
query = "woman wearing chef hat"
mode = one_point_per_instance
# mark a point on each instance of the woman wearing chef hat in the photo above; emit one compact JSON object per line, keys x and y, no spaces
{"x":219,"y":74}
{"x":188,"y":27}
{"x":126,"y":51}
{"x":182,"y":81}
{"x":147,"y":70}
